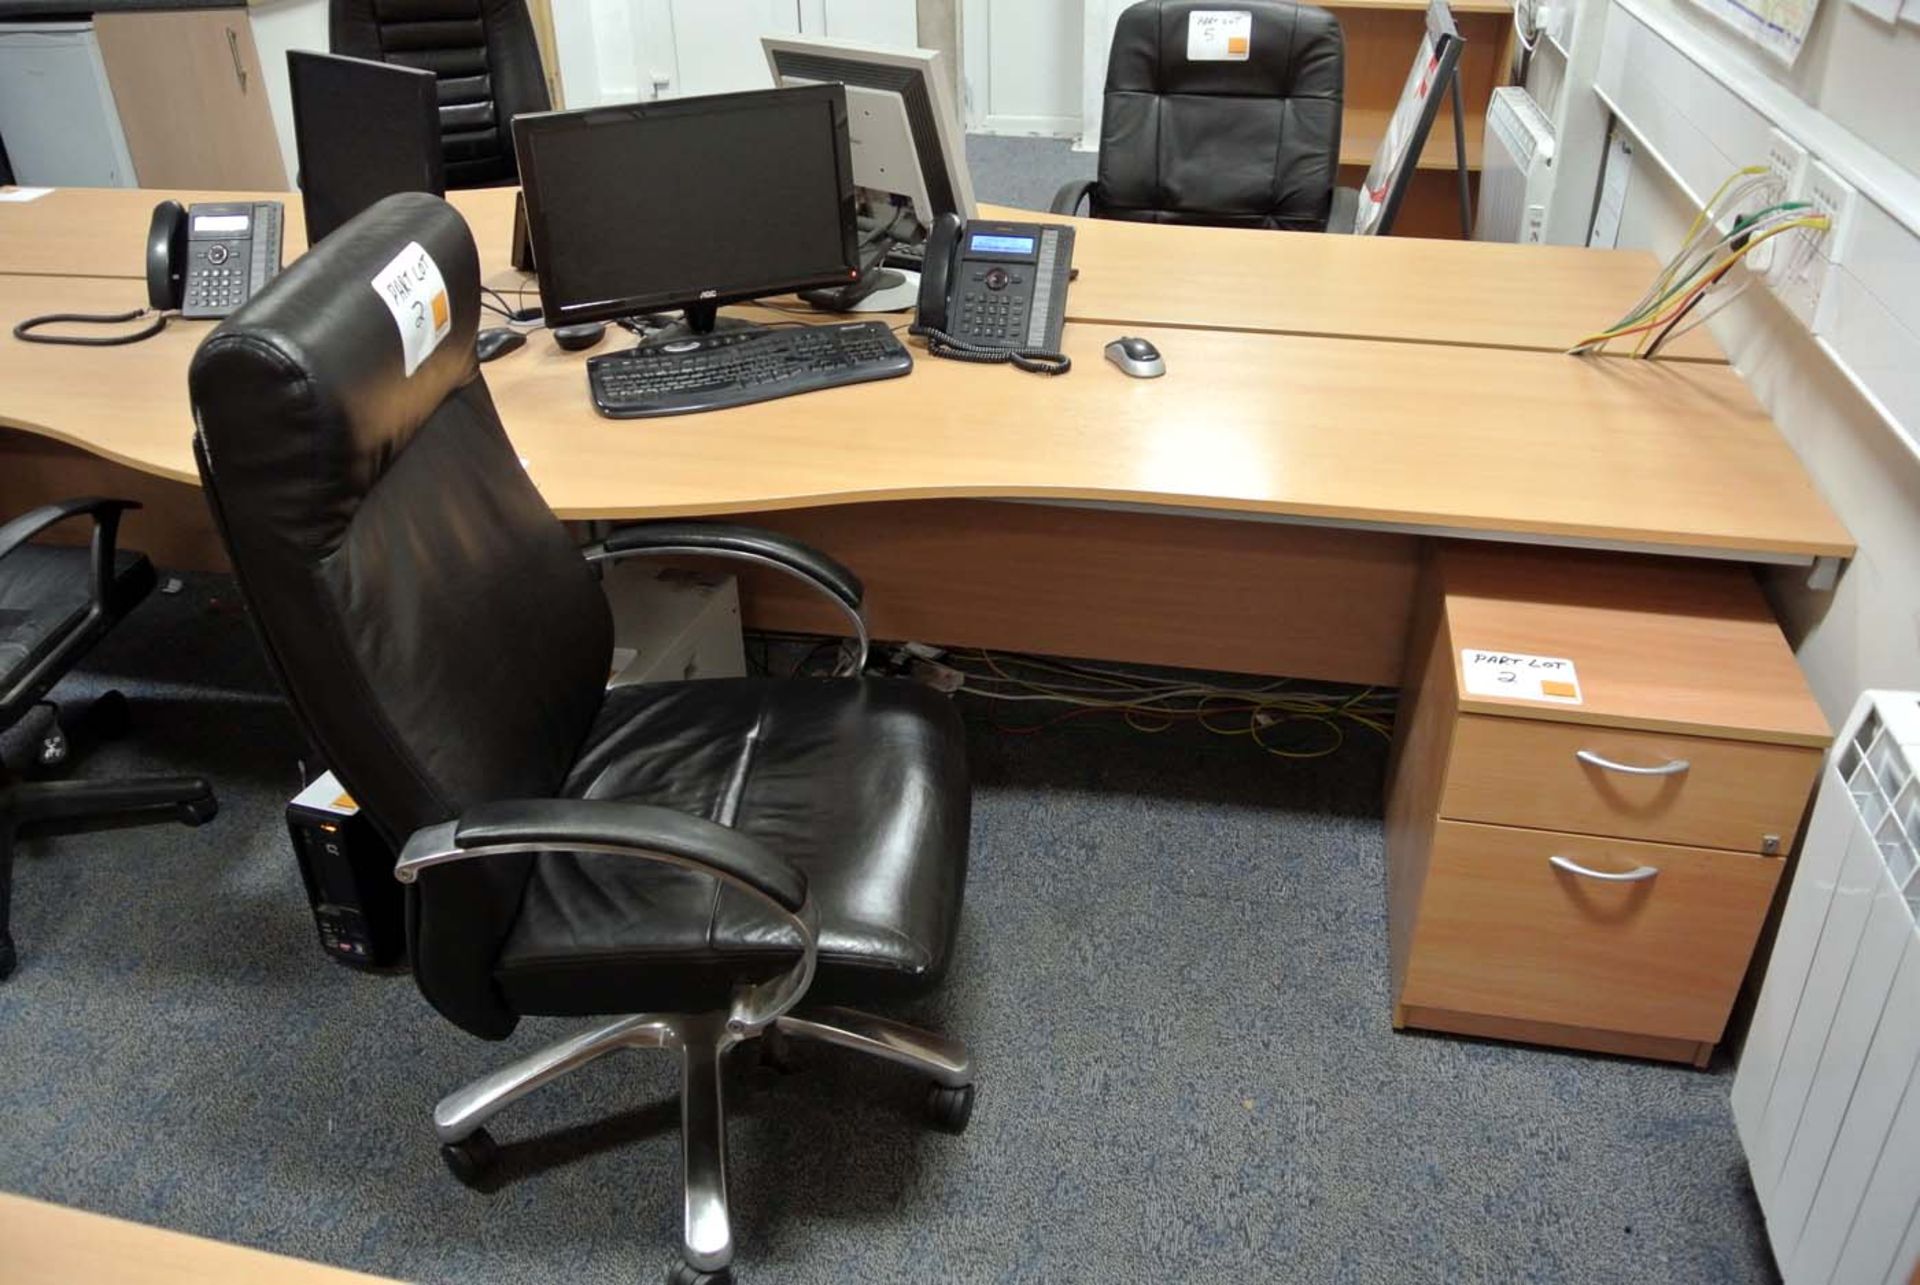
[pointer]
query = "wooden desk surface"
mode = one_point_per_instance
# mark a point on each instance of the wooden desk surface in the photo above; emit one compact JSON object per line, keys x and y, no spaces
{"x":1426,"y":437}
{"x":1449,"y":292}
{"x":43,"y":1244}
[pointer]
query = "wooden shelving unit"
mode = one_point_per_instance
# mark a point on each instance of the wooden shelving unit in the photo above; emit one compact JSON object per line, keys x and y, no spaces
{"x":1381,"y":37}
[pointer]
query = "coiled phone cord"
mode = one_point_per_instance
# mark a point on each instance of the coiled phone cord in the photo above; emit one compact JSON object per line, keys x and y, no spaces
{"x":24,"y":331}
{"x":1037,"y":361}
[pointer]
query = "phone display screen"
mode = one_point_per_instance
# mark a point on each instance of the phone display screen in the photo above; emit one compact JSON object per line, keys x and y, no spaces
{"x":990,"y":243}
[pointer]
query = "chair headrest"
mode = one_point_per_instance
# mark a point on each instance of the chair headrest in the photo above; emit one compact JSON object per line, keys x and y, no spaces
{"x":307,"y":393}
{"x":1292,"y":50}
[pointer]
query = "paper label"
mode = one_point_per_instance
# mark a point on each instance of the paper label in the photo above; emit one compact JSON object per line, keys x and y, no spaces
{"x":1520,"y":676}
{"x":23,"y":194}
{"x":1219,"y":35}
{"x":416,"y":294}
{"x":324,"y":794}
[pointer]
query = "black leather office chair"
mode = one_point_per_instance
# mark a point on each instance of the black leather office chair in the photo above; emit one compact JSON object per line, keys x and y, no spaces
{"x":55,"y":604}
{"x":1251,"y":143}
{"x":486,"y":57}
{"x":697,"y":858}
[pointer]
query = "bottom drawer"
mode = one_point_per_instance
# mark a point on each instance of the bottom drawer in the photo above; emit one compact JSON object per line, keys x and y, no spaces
{"x":1504,"y":930}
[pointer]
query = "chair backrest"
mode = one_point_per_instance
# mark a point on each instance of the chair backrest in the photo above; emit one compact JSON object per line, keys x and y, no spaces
{"x":1247,"y":138}
{"x":486,"y":57}
{"x":438,"y":634}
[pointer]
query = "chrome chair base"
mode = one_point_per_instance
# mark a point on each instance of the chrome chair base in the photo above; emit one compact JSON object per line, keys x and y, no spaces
{"x":702,"y":1040}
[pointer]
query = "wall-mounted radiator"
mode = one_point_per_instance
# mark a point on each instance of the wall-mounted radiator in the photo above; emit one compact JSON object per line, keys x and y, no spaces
{"x":1827,"y":1096}
{"x":1516,"y":179}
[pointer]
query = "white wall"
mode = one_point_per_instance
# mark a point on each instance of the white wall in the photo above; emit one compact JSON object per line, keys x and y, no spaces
{"x":1867,"y":632}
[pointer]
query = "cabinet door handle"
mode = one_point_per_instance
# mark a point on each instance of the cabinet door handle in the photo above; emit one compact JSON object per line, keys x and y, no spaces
{"x":239,"y":69}
{"x":1673,"y":767}
{"x":1572,"y":867}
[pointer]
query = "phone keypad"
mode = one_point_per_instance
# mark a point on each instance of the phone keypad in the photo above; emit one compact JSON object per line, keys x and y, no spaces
{"x":993,"y":316}
{"x":216,"y":279}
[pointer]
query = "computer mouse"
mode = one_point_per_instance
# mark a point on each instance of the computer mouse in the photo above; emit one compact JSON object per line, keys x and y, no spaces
{"x":1136,"y":357}
{"x":581,"y":337}
{"x":496,"y":341}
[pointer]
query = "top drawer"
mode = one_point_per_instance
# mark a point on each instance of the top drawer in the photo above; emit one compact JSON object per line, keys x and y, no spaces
{"x":1628,"y":784}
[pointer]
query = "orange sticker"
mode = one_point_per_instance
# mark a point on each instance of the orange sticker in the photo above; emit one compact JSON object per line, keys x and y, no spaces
{"x":346,"y":804}
{"x":439,"y":310}
{"x":1237,"y":45}
{"x":1554,"y":687}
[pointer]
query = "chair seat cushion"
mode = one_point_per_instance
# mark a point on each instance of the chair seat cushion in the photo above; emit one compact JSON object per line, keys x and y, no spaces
{"x":862,"y":784}
{"x":44,"y":594}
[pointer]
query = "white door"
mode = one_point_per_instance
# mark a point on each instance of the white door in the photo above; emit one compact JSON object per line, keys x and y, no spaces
{"x":710,"y":46}
{"x":874,"y":22}
{"x":1022,"y":65}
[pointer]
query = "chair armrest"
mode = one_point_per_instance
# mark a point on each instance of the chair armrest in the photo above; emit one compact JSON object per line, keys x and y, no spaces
{"x":731,"y":539}
{"x":747,"y":544}
{"x":643,"y":833}
{"x":608,"y":825}
{"x":106,"y":528}
{"x":1067,"y":199}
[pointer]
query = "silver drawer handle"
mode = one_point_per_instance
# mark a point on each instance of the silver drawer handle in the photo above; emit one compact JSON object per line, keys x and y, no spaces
{"x":1673,"y":767}
{"x":1573,"y":867}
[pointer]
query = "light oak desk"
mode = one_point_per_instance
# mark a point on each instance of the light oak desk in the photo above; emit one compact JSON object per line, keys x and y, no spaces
{"x":1338,"y":455}
{"x":1449,"y":292}
{"x":43,"y":1244}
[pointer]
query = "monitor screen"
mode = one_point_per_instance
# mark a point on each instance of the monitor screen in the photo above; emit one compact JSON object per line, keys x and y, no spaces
{"x":363,"y":130}
{"x":688,"y":203}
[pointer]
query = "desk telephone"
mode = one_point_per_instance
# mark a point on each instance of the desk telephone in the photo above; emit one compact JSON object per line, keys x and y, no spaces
{"x":209,"y":260}
{"x":203,"y":262}
{"x":996,"y":292}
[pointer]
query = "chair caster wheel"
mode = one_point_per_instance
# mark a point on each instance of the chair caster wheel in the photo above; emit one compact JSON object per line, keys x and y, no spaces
{"x":471,"y":1159}
{"x":680,"y":1272}
{"x":949,"y":1109}
{"x":108,"y":717}
{"x":198,"y":811}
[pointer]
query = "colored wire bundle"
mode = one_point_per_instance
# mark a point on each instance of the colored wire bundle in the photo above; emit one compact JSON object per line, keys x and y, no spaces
{"x":1155,"y":703}
{"x":1705,"y":258}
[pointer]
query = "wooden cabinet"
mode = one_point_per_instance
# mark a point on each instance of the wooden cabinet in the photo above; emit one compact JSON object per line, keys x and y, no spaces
{"x":191,"y":99}
{"x":1591,"y":867}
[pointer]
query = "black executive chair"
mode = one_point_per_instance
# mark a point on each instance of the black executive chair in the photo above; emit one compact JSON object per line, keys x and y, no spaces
{"x":486,"y":57}
{"x":697,"y":858}
{"x":55,"y":604}
{"x":1253,"y":143}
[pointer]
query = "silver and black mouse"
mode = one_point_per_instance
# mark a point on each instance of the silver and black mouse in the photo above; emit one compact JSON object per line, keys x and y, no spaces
{"x":1136,"y":357}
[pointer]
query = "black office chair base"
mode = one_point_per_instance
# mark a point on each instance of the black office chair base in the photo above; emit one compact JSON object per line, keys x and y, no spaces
{"x":703,"y":1041}
{"x":189,"y":798}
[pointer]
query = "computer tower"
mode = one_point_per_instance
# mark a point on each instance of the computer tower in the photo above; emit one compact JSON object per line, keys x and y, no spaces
{"x":358,"y":906}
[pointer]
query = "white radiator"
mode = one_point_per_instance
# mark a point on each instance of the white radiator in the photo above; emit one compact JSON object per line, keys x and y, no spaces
{"x":1516,"y":175}
{"x":1827,"y":1096}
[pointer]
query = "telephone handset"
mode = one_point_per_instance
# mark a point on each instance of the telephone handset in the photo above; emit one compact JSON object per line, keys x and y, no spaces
{"x":203,"y":262}
{"x":209,"y":260}
{"x":996,"y":292}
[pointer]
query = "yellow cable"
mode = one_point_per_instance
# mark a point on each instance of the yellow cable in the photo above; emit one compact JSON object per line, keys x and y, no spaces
{"x":1720,"y":270}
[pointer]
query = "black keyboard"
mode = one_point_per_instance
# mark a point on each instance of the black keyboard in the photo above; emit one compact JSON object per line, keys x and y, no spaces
{"x":911,"y":257}
{"x":732,"y":368}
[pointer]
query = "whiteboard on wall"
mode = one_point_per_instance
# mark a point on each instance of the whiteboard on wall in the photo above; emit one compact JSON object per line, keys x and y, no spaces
{"x":1779,"y":27}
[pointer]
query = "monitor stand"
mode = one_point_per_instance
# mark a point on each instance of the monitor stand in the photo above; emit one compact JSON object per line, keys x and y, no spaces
{"x":701,"y":319}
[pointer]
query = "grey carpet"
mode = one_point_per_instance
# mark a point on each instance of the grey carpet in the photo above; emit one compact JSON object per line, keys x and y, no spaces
{"x":1173,"y":974}
{"x":1024,"y":172}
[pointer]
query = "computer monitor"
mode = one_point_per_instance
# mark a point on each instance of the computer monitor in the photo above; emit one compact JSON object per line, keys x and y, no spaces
{"x":363,"y":130}
{"x":689,"y":203}
{"x":906,"y":135}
